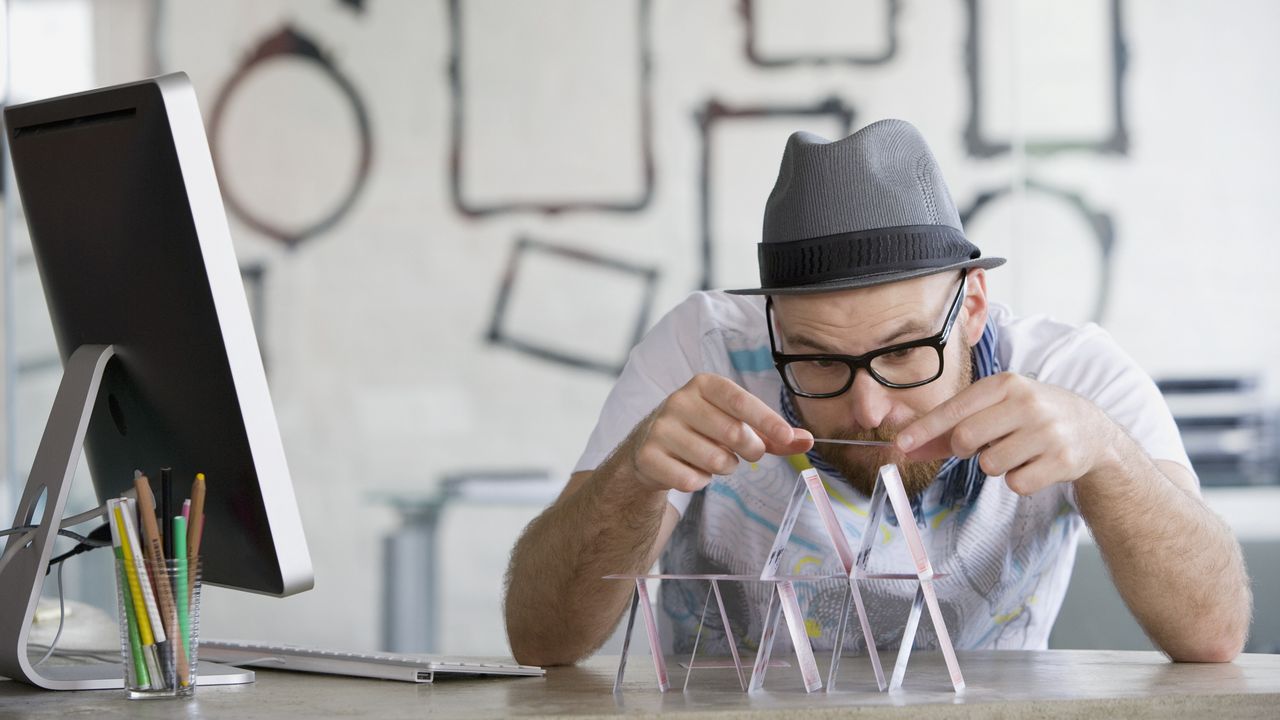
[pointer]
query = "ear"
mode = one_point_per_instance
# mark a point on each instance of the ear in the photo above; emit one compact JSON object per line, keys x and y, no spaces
{"x":974,"y":313}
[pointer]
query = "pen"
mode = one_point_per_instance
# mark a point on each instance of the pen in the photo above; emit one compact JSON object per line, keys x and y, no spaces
{"x":869,"y":443}
{"x":180,"y":590}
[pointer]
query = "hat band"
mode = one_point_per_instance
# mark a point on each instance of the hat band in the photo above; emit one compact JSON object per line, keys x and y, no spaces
{"x":796,"y":263}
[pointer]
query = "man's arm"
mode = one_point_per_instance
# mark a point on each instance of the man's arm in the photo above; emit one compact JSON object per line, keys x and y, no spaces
{"x":1175,"y":563}
{"x":558,"y":610}
{"x":616,"y":519}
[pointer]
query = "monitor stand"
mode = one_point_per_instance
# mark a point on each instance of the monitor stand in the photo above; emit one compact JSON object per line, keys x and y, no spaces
{"x":24,"y":563}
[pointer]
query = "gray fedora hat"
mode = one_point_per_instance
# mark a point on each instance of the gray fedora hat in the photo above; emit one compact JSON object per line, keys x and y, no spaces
{"x":866,"y":210}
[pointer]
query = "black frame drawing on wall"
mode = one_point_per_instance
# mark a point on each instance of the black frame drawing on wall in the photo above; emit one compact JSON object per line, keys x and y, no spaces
{"x":549,"y":206}
{"x":715,"y":112}
{"x":1099,"y":222}
{"x":155,"y":26}
{"x":978,"y":141}
{"x":288,"y":42}
{"x":499,"y":334}
{"x":747,"y":10}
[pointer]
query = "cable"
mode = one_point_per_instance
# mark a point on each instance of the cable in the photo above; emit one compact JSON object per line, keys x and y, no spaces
{"x":93,"y":540}
{"x":72,"y":521}
{"x":100,"y":537}
{"x":105,"y":655}
{"x":62,"y":616}
{"x":12,"y":545}
{"x":85,"y":516}
{"x":11,"y":550}
{"x":90,"y":540}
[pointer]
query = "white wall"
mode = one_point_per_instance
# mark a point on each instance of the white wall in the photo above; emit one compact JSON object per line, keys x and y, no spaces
{"x":375,"y":330}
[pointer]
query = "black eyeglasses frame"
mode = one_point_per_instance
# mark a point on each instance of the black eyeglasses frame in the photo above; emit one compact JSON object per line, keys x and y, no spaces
{"x":937,"y":341}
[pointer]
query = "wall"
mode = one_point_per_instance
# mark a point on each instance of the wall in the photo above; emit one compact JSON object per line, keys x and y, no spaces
{"x":449,"y":262}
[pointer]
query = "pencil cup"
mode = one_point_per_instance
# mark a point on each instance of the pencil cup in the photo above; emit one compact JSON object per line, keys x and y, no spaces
{"x":159,"y":606}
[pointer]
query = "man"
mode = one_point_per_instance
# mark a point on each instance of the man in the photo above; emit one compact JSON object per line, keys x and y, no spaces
{"x":872,"y":322}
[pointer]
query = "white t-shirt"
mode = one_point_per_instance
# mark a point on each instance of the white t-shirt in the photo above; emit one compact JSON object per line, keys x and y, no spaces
{"x":1007,"y":558}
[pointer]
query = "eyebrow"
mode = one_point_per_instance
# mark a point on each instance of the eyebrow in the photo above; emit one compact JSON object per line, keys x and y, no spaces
{"x":911,"y":327}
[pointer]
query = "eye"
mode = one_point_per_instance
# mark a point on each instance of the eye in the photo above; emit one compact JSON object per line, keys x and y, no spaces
{"x":905,"y":356}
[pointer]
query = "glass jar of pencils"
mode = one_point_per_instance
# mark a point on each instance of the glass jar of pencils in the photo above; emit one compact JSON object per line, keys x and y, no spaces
{"x":159,"y":605}
{"x":158,"y":596}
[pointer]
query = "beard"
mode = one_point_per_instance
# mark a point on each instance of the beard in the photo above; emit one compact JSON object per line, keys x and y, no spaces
{"x":859,"y":465}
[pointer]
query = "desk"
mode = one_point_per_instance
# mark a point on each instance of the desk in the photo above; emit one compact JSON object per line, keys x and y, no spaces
{"x":1054,"y":683}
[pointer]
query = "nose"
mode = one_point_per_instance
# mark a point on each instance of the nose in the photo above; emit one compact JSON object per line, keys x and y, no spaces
{"x":870,"y":400}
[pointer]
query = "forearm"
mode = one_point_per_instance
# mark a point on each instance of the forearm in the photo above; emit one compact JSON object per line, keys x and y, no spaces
{"x":1175,"y":562}
{"x":617,"y":519}
{"x":558,"y":609}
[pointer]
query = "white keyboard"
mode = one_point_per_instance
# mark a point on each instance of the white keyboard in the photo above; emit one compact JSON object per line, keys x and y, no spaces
{"x":384,"y":666}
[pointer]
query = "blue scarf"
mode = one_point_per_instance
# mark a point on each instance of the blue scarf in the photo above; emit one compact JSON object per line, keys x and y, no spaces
{"x":961,"y":479}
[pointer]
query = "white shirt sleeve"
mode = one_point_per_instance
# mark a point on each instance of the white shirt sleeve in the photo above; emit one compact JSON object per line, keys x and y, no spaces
{"x":667,"y":358}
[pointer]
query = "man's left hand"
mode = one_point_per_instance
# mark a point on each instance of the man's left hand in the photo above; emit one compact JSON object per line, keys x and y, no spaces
{"x":1032,"y":433}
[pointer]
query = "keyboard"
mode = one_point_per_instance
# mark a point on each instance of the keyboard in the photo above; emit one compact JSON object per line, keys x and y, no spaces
{"x":380,"y":665}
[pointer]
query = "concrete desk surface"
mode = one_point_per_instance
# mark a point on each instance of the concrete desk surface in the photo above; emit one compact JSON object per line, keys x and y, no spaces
{"x":1054,"y":683}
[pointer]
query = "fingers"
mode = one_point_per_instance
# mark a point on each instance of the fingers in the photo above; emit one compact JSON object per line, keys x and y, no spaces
{"x":1027,"y":457}
{"x":1032,"y":477}
{"x":667,"y":471}
{"x":935,"y":449}
{"x":728,"y":431}
{"x":928,"y":435}
{"x":971,"y":435}
{"x":995,"y":420}
{"x":801,"y":443}
{"x":1010,"y":453}
{"x":732,"y":415}
{"x":702,"y":429}
{"x":737,"y":402}
{"x":697,"y":450}
{"x":1040,"y":455}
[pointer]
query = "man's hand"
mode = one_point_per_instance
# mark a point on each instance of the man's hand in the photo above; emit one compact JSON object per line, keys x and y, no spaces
{"x":1032,"y":433}
{"x":1180,"y":562}
{"x":702,"y":429}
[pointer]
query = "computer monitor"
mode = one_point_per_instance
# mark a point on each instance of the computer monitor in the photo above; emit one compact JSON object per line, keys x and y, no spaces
{"x":161,"y":365}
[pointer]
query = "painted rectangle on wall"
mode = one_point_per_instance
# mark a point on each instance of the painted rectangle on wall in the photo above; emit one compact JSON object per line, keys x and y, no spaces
{"x":571,"y":306}
{"x":791,"y":32}
{"x":1049,"y":72}
{"x":550,"y":105}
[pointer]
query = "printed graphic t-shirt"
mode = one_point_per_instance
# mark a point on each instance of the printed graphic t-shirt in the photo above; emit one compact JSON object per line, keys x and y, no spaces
{"x":1007,"y":558}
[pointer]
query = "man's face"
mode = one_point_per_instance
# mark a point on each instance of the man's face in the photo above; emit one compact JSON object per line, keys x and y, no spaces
{"x":855,"y":322}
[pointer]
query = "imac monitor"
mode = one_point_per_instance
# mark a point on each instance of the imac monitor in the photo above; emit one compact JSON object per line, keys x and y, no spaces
{"x":161,"y":365}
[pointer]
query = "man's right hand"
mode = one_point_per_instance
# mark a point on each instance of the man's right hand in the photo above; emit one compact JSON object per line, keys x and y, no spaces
{"x":702,"y":429}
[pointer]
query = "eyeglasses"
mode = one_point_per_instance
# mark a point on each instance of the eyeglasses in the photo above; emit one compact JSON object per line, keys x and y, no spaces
{"x":902,"y":365}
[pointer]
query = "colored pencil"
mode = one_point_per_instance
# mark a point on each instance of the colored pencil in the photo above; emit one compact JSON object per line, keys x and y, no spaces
{"x":131,"y":605}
